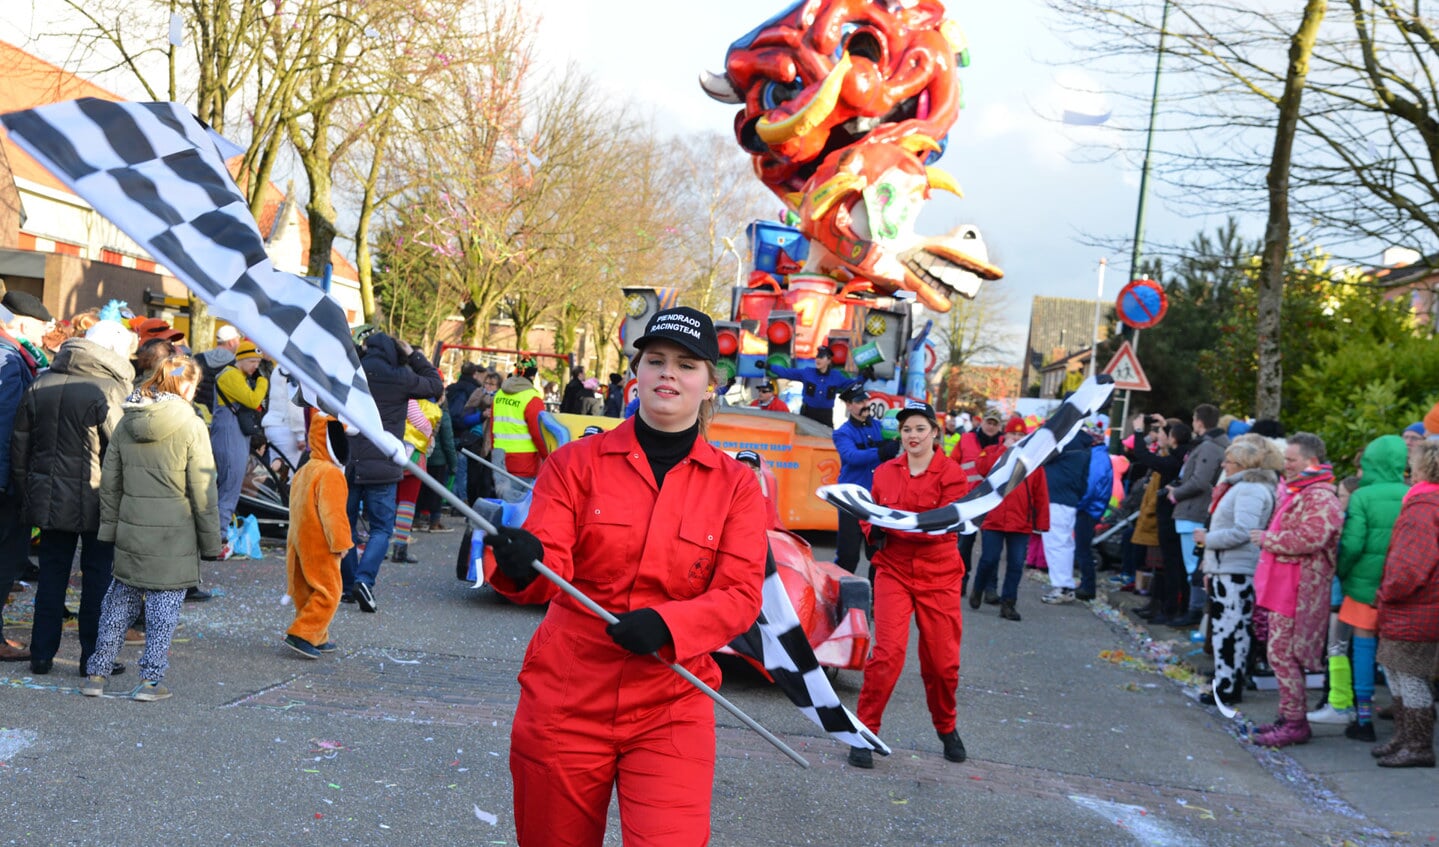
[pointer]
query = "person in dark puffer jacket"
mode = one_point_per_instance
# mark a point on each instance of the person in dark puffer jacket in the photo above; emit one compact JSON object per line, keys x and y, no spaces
{"x":397,"y":373}
{"x":61,"y":432}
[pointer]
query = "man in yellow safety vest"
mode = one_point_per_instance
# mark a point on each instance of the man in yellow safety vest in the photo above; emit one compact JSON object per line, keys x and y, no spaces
{"x":516,"y":430}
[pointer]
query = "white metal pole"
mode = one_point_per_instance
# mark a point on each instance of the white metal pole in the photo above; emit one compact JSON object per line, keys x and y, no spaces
{"x":1098,"y":305}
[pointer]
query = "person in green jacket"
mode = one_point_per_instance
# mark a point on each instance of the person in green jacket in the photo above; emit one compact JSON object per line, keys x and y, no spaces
{"x":1363,"y":545}
{"x":160,"y":508}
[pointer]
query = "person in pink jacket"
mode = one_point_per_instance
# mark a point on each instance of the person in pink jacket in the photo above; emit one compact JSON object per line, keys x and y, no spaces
{"x":1292,"y":581}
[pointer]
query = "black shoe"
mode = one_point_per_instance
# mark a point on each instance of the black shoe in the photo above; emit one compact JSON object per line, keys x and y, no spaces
{"x":991,"y":599}
{"x":861,"y":757}
{"x":196,"y":594}
{"x":364,"y":597}
{"x":1007,"y":611}
{"x":1360,"y":732}
{"x":1146,"y":612}
{"x":1207,"y":698}
{"x":40,"y":667}
{"x":402,"y":555}
{"x":975,"y":598}
{"x":1188,"y":620}
{"x":347,"y":596}
{"x":301,"y":646}
{"x":1084,"y":595}
{"x":953,"y":747}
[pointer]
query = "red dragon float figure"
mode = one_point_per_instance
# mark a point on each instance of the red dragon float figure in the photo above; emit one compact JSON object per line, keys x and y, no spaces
{"x":847,"y":105}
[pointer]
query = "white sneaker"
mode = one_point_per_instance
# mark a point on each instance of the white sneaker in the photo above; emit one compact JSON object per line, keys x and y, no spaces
{"x":1058,"y":595}
{"x":1331,"y":715}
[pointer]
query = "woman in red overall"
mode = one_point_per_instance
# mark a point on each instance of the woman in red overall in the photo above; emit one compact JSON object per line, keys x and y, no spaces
{"x":668,"y":533}
{"x":915,"y":575}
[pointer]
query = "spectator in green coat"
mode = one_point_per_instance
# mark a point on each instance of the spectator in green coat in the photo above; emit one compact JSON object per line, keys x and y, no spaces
{"x":1363,"y":545}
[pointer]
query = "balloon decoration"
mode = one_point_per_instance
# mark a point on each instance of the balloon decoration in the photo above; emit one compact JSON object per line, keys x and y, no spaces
{"x":1142,"y":303}
{"x":845,"y":107}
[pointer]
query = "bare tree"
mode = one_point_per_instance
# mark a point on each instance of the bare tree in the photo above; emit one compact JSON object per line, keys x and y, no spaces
{"x":973,"y":333}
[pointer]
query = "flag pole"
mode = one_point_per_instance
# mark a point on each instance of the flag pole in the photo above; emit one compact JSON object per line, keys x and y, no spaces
{"x":603,"y":614}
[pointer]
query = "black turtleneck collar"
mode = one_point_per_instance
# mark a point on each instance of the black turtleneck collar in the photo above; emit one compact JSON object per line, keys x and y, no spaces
{"x":987,"y":441}
{"x":664,"y":450}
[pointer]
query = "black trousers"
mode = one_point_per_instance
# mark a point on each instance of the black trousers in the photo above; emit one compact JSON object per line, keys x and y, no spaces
{"x":848,"y":541}
{"x":1175,"y":598}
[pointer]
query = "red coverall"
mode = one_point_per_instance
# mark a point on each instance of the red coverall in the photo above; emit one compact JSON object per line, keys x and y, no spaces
{"x":592,"y":714}
{"x":974,"y":459}
{"x":919,"y":575}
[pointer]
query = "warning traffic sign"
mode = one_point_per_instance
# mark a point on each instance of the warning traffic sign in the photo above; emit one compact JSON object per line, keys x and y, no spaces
{"x":1125,"y":369}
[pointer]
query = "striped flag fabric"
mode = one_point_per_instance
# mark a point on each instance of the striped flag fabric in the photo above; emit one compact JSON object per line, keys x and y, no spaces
{"x":158,"y":174}
{"x":777,"y":641}
{"x":1007,"y":474}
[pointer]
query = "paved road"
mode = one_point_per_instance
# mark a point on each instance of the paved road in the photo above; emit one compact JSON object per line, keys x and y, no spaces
{"x":402,"y":738}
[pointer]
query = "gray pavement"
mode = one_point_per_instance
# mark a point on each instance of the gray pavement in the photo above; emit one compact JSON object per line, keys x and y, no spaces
{"x":402,"y":738}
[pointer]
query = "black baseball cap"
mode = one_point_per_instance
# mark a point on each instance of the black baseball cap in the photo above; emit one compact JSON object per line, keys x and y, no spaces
{"x":748,"y":456}
{"x":916,"y":407}
{"x":592,"y":429}
{"x":765,"y":386}
{"x":824,"y":350}
{"x":853,"y":394}
{"x":689,"y":328}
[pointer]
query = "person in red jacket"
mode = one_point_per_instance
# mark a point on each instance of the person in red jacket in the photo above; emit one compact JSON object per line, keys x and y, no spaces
{"x":975,"y":453}
{"x":1408,"y":601}
{"x":1024,"y":511}
{"x":668,"y":533}
{"x":919,"y":576}
{"x":766,"y":398}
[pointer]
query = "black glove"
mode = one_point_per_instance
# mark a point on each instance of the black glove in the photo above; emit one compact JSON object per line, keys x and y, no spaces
{"x":888,"y":449}
{"x":875,"y":542}
{"x":515,"y":549}
{"x":642,"y":631}
{"x":867,"y":372}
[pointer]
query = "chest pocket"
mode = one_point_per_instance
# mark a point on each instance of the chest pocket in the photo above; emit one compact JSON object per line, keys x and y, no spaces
{"x":613,"y":538}
{"x":695,"y":552}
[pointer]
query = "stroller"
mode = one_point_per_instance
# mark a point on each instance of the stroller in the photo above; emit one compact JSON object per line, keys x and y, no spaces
{"x":265,"y":492}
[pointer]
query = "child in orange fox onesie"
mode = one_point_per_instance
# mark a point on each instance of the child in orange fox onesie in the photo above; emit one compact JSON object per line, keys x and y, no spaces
{"x":319,"y":536}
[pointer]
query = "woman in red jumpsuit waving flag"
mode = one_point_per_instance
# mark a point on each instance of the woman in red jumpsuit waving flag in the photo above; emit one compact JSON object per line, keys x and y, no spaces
{"x":915,"y":575}
{"x":668,"y":533}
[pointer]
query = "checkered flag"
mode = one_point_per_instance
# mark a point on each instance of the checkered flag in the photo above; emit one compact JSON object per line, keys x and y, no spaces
{"x":157,"y":173}
{"x":1007,"y":474}
{"x":777,"y":641}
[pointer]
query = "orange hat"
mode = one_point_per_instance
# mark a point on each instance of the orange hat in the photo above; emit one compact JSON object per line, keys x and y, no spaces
{"x":246,"y":350}
{"x":1016,"y":424}
{"x":1431,"y":421}
{"x":149,"y":328}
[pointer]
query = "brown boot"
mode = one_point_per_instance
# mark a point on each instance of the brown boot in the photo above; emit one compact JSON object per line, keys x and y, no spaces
{"x":1396,"y":740}
{"x":1418,"y":749}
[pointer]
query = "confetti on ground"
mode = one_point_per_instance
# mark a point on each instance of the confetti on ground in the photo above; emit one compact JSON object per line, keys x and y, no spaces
{"x":486,"y":816}
{"x":402,"y":661}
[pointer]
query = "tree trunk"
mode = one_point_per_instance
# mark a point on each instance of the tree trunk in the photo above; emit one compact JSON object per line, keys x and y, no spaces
{"x":1268,"y":393}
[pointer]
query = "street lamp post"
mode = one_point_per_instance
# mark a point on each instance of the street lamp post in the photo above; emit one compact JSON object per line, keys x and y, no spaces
{"x":1144,"y":186}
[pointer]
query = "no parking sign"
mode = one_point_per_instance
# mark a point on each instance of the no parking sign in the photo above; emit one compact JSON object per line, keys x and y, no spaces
{"x":1142,"y":303}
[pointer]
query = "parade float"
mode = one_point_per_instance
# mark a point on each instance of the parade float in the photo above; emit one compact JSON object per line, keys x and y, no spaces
{"x":845,"y":107}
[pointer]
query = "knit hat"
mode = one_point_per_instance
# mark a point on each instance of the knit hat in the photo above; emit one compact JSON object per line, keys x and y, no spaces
{"x":246,"y":350}
{"x":1431,"y":421}
{"x":1416,"y":428}
{"x":112,"y":336}
{"x":1016,"y":424}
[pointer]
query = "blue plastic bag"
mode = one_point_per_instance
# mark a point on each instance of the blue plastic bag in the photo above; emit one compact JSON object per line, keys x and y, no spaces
{"x":243,"y":536}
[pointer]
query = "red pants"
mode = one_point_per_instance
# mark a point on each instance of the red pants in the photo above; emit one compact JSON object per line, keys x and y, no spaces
{"x":664,"y":771}
{"x":936,"y":610}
